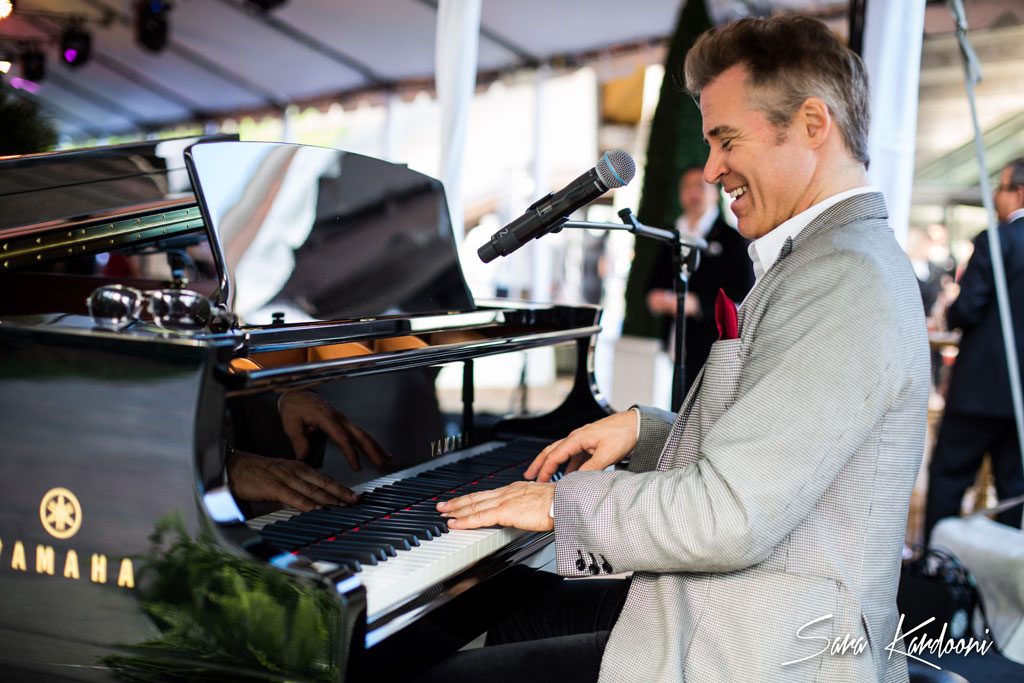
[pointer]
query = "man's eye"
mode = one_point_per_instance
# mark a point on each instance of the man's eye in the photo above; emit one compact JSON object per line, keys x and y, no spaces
{"x":727,"y":144}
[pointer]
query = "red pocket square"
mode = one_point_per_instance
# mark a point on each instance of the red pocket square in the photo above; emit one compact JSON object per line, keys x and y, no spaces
{"x":725,"y":316}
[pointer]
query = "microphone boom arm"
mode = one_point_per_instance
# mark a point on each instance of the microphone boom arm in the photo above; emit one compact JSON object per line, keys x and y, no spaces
{"x":685,"y":259}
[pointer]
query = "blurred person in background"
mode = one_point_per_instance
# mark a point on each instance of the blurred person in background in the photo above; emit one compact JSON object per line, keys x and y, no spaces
{"x":725,"y":265}
{"x":979,"y":410}
{"x":929,"y":274}
{"x":939,"y":251}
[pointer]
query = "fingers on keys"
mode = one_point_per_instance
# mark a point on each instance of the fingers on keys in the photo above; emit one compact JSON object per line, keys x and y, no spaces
{"x":552,"y":457}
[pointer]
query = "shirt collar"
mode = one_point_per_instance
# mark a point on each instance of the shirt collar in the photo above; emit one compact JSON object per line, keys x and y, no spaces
{"x":704,"y":223}
{"x":764,"y":251}
{"x":1014,"y":215}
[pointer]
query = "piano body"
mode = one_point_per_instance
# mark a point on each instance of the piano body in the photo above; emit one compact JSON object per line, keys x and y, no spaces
{"x":124,"y":554}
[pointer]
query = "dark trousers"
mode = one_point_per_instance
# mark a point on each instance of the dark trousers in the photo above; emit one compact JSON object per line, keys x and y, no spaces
{"x":962,"y":442}
{"x":558,"y":636}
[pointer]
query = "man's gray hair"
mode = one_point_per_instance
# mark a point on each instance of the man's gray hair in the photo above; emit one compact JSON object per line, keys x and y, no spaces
{"x":789,"y":58}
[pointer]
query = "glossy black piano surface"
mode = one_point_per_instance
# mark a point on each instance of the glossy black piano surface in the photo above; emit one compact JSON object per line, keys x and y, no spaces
{"x":124,"y":554}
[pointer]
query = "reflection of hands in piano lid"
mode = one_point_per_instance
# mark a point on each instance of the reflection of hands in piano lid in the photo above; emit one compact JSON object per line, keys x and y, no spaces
{"x":522,"y":505}
{"x":290,"y":482}
{"x":303,"y":412}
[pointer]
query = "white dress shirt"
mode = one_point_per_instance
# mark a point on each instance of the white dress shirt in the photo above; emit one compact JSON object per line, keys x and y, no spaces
{"x":764,"y":251}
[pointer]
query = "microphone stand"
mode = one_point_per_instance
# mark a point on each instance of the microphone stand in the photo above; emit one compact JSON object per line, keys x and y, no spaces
{"x":685,"y":259}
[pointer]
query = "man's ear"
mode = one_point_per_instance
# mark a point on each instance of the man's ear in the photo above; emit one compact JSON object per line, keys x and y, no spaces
{"x":816,"y":120}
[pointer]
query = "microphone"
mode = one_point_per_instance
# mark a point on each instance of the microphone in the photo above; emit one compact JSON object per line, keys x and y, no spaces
{"x":614,"y":169}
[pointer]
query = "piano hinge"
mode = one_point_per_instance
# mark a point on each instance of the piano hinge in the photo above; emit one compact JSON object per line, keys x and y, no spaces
{"x":94,"y":239}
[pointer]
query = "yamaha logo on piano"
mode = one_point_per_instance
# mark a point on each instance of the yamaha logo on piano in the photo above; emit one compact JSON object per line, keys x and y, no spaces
{"x":448,"y":444}
{"x":61,"y":515}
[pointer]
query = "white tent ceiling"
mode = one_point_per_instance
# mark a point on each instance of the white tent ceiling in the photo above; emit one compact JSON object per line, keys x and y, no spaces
{"x":222,"y":56}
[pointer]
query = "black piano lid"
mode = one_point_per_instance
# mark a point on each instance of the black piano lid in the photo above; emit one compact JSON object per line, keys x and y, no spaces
{"x":59,"y":186}
{"x":320,"y":234}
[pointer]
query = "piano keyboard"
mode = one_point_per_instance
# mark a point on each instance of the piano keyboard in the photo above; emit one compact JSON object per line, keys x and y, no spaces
{"x":393,"y":538}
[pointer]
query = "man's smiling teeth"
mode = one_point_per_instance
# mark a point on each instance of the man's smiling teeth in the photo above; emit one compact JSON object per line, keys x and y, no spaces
{"x":738,"y":192}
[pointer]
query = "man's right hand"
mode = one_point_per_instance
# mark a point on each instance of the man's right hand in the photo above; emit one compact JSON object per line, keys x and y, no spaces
{"x":592,"y":447}
{"x":290,"y":482}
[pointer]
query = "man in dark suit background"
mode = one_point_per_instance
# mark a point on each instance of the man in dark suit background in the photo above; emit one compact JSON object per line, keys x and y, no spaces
{"x":724,"y":265}
{"x":979,"y":411}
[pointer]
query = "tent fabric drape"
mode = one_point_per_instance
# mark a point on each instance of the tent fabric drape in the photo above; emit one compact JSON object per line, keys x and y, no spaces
{"x":458,"y":32}
{"x":893,"y":32}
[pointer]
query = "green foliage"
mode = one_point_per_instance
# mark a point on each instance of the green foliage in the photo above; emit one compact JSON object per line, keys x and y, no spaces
{"x":676,"y":142}
{"x":23,"y":130}
{"x":227,"y":613}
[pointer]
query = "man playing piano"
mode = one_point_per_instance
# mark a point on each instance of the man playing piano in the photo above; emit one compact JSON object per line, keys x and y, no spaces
{"x":765,"y":522}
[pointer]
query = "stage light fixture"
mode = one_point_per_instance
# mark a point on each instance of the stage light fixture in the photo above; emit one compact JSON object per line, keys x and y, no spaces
{"x":151,"y":23}
{"x":5,"y":65}
{"x":33,"y":64}
{"x":267,"y":5}
{"x":75,"y":46}
{"x":6,"y":8}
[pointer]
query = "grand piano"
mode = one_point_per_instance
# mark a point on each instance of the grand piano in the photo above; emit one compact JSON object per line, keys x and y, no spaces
{"x":125,"y":554}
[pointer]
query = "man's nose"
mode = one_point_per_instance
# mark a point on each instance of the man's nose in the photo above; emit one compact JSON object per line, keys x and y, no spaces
{"x":714,"y":169}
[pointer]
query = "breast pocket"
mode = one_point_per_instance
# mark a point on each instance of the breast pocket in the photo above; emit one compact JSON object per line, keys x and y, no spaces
{"x":721,"y":378}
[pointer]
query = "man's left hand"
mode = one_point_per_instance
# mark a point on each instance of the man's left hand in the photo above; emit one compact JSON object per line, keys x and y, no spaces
{"x":523,"y":505}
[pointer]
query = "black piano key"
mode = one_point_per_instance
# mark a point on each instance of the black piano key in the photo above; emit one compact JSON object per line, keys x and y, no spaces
{"x":318,"y":552}
{"x":422,"y":489}
{"x":395,"y":540}
{"x":391,"y":501}
{"x":295,"y":524}
{"x":323,"y":526}
{"x":421,"y":532}
{"x":346,"y":515}
{"x":429,"y":518}
{"x":435,"y":524}
{"x":341,"y":515}
{"x":386,"y":492}
{"x":400,"y":535}
{"x":376,"y":508}
{"x":294,"y":536}
{"x":441,"y":478}
{"x":384,"y":549}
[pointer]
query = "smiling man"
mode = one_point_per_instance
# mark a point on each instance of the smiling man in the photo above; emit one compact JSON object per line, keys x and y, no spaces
{"x":775,"y":502}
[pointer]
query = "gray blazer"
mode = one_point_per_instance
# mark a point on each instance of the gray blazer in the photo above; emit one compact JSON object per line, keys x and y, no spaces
{"x":779,"y":494}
